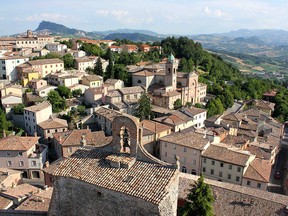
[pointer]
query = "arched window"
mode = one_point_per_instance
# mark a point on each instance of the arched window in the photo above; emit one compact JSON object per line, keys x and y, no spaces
{"x":139,"y":81}
{"x":194,"y":172}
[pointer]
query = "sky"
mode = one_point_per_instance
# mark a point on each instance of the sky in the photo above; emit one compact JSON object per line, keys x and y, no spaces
{"x":162,"y":16}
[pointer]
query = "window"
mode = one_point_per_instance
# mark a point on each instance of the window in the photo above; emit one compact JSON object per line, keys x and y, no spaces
{"x":237,"y":178}
{"x":238,"y":169}
{"x":213,"y":162}
{"x":21,"y":163}
{"x":230,"y":166}
{"x":185,"y":149}
{"x":259,"y":185}
{"x":204,"y":160}
{"x":220,"y":174}
{"x":194,"y":162}
{"x":229,"y":176}
{"x":204,"y":169}
{"x":165,"y":154}
{"x":8,"y":154}
{"x":48,"y":131}
{"x":9,"y":163}
{"x":212,"y":171}
{"x":174,"y":146}
{"x":194,"y":152}
{"x":20,"y":153}
{"x":184,"y":170}
{"x":69,"y":150}
{"x":248,"y":183}
{"x":33,"y":163}
{"x":221,"y":164}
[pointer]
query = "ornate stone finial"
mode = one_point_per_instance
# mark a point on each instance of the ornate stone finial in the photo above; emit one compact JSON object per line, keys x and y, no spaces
{"x":177,"y":163}
{"x":83,"y":140}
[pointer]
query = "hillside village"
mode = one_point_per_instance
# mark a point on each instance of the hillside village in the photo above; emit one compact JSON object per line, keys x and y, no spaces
{"x":77,"y":130}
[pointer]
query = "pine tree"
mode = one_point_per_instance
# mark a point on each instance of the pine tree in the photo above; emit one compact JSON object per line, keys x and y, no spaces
{"x":98,"y":69}
{"x":199,"y":200}
{"x":144,"y":109}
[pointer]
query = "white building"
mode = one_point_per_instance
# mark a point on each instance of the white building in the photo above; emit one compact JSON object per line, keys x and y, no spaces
{"x":56,"y":47}
{"x":8,"y":66}
{"x":36,"y":114}
{"x":43,"y":91}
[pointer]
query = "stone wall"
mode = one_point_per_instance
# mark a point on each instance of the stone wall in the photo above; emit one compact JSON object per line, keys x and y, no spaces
{"x":74,"y":197}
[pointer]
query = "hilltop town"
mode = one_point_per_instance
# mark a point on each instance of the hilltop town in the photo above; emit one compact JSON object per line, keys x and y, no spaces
{"x":104,"y":127}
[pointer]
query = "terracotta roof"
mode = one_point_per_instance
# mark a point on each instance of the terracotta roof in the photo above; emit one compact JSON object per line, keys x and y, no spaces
{"x":258,"y":170}
{"x":5,"y":173}
{"x":131,"y":90}
{"x":232,"y":199}
{"x":182,"y":116}
{"x":16,"y":143}
{"x":96,"y":90}
{"x":53,"y":166}
{"x":53,"y":123}
{"x":111,"y":81}
{"x":40,"y":201}
{"x":5,"y":203}
{"x":45,"y":61}
{"x":74,"y":137}
{"x":114,"y":93}
{"x":154,"y":126}
{"x":38,"y":107}
{"x":270,"y":93}
{"x":110,"y":114}
{"x":171,"y":94}
{"x":145,"y":73}
{"x":185,"y":139}
{"x":146,"y":181}
{"x":236,"y":140}
{"x":224,"y":153}
{"x":232,"y":117}
{"x":91,"y":78}
{"x":84,"y":59}
{"x":20,"y":191}
{"x":193,"y":110}
{"x":172,"y":120}
{"x":259,"y":152}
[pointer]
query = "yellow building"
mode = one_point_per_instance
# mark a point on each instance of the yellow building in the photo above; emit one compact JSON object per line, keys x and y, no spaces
{"x":28,"y":76}
{"x":92,"y":81}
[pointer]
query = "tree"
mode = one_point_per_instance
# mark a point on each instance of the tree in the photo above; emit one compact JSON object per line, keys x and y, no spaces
{"x":68,"y":61}
{"x":144,"y":109}
{"x":177,"y":104}
{"x":121,"y":73}
{"x":199,"y":200}
{"x":76,"y":92}
{"x":18,"y":109}
{"x":64,"y":91}
{"x":110,"y":70}
{"x":4,"y":124}
{"x":98,"y":69}
{"x":58,"y":103}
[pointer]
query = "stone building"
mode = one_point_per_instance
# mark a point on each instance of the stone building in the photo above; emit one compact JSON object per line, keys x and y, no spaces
{"x":168,"y":85}
{"x":121,"y":178}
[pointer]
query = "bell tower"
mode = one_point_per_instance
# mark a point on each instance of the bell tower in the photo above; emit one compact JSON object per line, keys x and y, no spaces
{"x":171,"y":72}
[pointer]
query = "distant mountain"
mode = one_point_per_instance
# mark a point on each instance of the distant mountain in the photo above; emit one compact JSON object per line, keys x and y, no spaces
{"x":132,"y":36}
{"x":126,"y":31}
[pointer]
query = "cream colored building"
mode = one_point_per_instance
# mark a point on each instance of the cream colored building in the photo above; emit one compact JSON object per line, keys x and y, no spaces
{"x":223,"y":163}
{"x":93,"y":81}
{"x":36,"y":114}
{"x":83,"y":63}
{"x":188,"y":146}
{"x":12,"y":89}
{"x":113,"y":84}
{"x":23,"y":153}
{"x":43,"y":66}
{"x":8,"y":67}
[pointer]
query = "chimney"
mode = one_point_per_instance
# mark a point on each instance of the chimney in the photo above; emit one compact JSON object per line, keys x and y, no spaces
{"x":4,"y":133}
{"x":83,"y":141}
{"x":60,"y":139}
{"x":26,"y":134}
{"x":87,"y":126}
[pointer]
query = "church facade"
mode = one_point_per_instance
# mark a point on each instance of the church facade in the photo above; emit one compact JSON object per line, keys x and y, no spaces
{"x":165,"y":87}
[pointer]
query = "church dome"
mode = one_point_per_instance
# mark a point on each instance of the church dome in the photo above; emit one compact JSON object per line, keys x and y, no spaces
{"x":171,"y":58}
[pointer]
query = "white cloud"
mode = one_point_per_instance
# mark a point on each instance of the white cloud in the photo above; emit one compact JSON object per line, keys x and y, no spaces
{"x":46,"y":16}
{"x":119,"y":14}
{"x":214,"y":13}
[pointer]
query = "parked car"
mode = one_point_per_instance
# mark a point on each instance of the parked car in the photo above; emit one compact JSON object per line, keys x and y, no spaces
{"x":277,"y":175}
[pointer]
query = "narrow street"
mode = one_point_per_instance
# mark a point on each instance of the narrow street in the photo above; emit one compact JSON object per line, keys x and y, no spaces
{"x":277,"y":185}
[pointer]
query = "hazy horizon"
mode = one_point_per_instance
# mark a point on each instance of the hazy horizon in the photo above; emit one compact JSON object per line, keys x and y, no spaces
{"x":182,"y":17}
